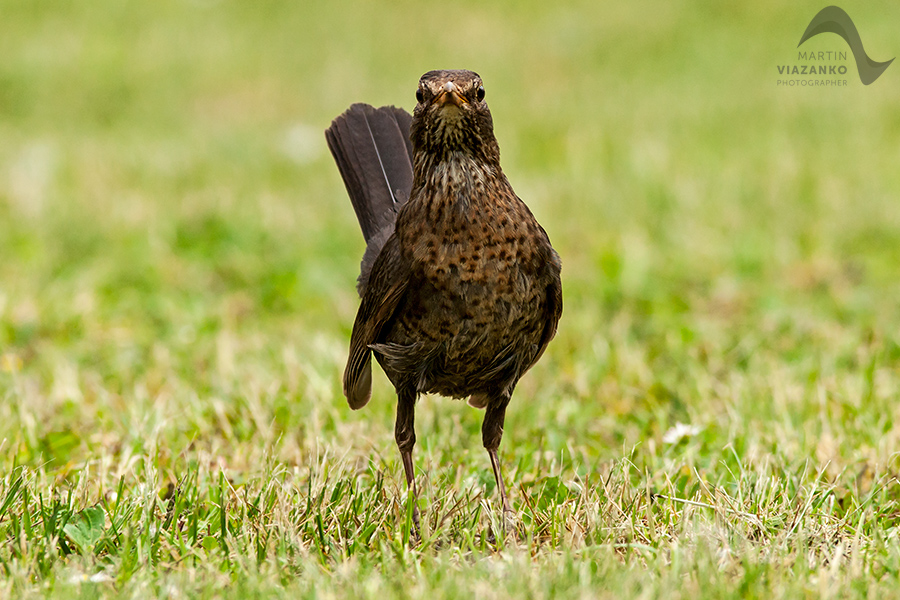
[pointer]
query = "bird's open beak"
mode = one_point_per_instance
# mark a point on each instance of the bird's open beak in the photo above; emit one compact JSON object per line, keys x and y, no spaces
{"x":450,"y":95}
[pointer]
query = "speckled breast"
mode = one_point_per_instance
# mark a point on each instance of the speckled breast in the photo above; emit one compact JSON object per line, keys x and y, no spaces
{"x":475,"y":294}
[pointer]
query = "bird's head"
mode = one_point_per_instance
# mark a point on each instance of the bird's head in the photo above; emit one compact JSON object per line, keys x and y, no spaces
{"x":451,"y":116}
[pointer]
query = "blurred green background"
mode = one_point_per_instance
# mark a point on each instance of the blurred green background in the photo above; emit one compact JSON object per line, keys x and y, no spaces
{"x":177,"y":285}
{"x":178,"y":255}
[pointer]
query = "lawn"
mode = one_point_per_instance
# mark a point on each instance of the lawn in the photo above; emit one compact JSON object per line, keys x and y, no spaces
{"x":718,"y":416}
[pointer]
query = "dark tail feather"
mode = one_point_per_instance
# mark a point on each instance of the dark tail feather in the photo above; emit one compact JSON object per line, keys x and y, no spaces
{"x":373,"y":152}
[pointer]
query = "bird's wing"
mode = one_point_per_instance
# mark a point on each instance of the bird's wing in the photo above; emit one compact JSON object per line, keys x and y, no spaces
{"x":387,"y":286}
{"x":554,"y":305}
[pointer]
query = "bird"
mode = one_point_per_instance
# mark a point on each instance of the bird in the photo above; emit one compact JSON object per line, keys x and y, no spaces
{"x":460,"y":287}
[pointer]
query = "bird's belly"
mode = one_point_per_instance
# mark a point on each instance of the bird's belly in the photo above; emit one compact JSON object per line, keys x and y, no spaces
{"x":471,"y":329}
{"x":474,"y":309}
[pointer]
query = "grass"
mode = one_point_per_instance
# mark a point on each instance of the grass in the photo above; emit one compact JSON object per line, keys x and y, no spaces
{"x":717,"y":416}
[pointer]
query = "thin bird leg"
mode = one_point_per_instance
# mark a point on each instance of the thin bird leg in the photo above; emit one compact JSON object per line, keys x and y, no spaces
{"x":495,"y":465}
{"x":405,"y":434}
{"x":491,"y":434}
{"x":406,"y":456}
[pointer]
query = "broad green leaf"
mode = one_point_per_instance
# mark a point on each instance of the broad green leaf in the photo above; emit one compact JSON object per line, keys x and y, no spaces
{"x":87,"y":528}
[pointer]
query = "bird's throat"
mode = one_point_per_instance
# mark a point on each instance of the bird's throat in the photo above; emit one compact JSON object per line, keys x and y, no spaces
{"x":456,"y":176}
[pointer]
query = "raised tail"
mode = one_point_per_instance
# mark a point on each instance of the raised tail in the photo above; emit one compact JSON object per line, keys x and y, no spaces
{"x":373,"y":152}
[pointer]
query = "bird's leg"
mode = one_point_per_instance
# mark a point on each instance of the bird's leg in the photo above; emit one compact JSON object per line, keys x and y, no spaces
{"x":491,"y":433}
{"x":405,"y":434}
{"x":495,"y":465}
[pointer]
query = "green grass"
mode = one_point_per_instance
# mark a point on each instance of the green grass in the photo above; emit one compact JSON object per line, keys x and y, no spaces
{"x":177,"y":270}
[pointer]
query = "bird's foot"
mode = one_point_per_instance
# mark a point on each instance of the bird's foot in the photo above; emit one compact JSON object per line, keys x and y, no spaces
{"x":415,"y":532}
{"x":501,"y":528}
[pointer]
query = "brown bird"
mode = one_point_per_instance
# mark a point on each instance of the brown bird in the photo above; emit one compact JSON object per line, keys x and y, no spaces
{"x":460,"y":286}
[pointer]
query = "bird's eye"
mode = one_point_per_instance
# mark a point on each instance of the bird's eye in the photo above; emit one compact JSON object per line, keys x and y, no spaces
{"x":479,"y":93}
{"x":420,"y":96}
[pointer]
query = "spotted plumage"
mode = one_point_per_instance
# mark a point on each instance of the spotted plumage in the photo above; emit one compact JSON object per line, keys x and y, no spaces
{"x":463,"y":293}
